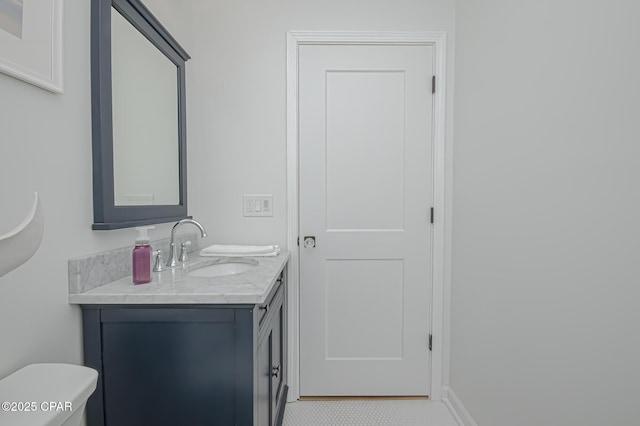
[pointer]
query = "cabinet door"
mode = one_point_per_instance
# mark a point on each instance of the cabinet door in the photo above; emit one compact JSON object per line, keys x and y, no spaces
{"x":264,"y":381}
{"x":168,"y":367}
{"x":278,"y":325}
{"x":277,"y":360}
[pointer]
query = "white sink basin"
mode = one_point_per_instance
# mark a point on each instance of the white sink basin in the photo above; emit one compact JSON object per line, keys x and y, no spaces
{"x":227,"y":267}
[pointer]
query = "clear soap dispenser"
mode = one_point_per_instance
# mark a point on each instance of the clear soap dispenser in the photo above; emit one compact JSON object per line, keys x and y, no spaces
{"x":141,"y":261}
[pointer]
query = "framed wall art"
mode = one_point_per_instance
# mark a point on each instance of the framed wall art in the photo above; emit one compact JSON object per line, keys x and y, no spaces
{"x":31,"y":41}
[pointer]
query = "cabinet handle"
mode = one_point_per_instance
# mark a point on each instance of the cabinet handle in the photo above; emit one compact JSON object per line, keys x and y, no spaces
{"x":275,"y":370}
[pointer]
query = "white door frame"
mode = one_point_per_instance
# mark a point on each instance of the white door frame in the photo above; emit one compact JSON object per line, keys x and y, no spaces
{"x":439,"y":41}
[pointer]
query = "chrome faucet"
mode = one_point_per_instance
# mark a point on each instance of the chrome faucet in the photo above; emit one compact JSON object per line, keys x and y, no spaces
{"x":173,"y":254}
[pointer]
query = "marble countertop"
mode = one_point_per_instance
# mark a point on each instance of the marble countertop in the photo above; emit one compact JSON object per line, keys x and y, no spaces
{"x":177,"y":287}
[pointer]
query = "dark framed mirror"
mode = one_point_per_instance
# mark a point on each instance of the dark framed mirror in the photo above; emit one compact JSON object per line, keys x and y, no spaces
{"x":138,"y":117}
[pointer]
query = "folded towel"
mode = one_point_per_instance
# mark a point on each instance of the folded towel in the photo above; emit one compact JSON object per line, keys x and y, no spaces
{"x":240,"y":251}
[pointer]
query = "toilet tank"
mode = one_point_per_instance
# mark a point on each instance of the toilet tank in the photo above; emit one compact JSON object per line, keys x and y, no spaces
{"x":46,"y":395}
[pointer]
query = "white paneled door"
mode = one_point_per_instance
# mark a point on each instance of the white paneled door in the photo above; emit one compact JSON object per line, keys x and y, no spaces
{"x":366,"y":192}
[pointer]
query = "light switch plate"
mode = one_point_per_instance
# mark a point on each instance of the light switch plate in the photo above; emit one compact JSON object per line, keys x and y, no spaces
{"x":257,"y":205}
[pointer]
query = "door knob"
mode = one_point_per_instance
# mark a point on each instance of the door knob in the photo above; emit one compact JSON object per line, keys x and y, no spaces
{"x":309,"y":242}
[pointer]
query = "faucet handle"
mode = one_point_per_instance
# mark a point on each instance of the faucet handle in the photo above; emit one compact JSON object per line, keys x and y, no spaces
{"x":184,"y":255}
{"x":158,"y":266}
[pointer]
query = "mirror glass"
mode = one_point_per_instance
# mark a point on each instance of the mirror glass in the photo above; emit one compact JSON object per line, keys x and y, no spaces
{"x":138,"y":117}
{"x":145,"y":119}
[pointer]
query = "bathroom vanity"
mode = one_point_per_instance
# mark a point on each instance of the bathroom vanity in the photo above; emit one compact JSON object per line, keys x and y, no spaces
{"x":189,"y":350}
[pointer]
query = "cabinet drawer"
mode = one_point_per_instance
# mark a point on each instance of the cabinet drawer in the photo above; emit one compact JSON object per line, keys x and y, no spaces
{"x":266,"y":307}
{"x":174,"y":315}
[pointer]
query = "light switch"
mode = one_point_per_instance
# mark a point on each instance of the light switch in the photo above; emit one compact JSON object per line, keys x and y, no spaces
{"x":257,"y":205}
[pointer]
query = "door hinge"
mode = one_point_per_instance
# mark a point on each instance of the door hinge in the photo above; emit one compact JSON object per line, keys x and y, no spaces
{"x":430,"y":342}
{"x":431,"y":214}
{"x":433,"y":84}
{"x":298,"y":241}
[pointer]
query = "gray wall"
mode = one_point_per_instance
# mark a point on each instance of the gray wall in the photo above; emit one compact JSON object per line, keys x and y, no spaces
{"x":46,"y":147}
{"x":546,"y":252}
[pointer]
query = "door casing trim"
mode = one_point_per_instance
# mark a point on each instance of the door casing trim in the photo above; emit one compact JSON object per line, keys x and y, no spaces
{"x":439,"y":311}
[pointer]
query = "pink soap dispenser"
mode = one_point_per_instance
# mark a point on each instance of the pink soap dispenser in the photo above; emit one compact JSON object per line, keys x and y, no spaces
{"x":141,"y":261}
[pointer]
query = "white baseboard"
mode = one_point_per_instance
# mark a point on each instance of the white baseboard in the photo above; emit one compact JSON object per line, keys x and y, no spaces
{"x":453,"y":403}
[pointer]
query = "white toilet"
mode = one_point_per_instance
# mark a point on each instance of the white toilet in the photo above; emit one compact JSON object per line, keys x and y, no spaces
{"x":46,"y":395}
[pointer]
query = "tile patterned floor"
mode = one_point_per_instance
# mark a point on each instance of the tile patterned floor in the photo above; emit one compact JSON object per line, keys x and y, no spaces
{"x":368,"y":413}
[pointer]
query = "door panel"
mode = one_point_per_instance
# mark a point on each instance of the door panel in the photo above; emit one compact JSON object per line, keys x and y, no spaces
{"x":353,"y":98}
{"x":366,"y":189}
{"x":373,"y":289}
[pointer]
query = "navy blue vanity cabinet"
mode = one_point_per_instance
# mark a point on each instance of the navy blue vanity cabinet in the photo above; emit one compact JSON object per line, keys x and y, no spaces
{"x":188,"y":364}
